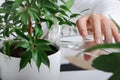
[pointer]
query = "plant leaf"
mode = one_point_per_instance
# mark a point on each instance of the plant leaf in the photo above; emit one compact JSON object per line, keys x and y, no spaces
{"x":33,"y":13}
{"x":118,"y":26}
{"x":43,"y":46}
{"x":115,"y":76}
{"x":26,"y":58}
{"x":6,"y":48}
{"x":49,"y":24}
{"x":101,"y":46}
{"x":45,"y":59}
{"x":108,"y":63}
{"x":17,"y":2}
{"x":84,"y":10}
{"x":6,"y":31}
{"x":64,"y":8}
{"x":7,"y":4}
{"x":41,"y":41}
{"x":20,"y":34}
{"x":74,"y":15}
{"x":2,"y":10}
{"x":22,"y":44}
{"x":24,"y":17}
{"x":38,"y":31}
{"x":36,"y":57}
{"x":70,"y":3}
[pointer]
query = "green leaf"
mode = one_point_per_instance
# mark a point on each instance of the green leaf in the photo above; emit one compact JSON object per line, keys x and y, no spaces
{"x":54,"y":1}
{"x":63,"y":1}
{"x":38,"y":31}
{"x":1,"y":19}
{"x":42,"y":41}
{"x":108,"y":63}
{"x":46,"y":48}
{"x":7,"y":4}
{"x":43,"y":45}
{"x":74,"y":15}
{"x":70,"y":23}
{"x":118,"y":26}
{"x":115,"y":76}
{"x":64,"y":8}
{"x":45,"y":59}
{"x":49,"y":24}
{"x":6,"y":48}
{"x":84,"y":10}
{"x":62,"y":12}
{"x":60,"y":19}
{"x":101,"y":46}
{"x":26,"y":58}
{"x":17,"y":2}
{"x":2,"y":10}
{"x":51,"y":7}
{"x":6,"y":17}
{"x":22,"y":44}
{"x":24,"y":28}
{"x":33,"y":13}
{"x":6,"y":31}
{"x":22,"y":35}
{"x":24,"y":17}
{"x":70,"y":3}
{"x":43,"y":19}
{"x":36,"y":57}
{"x":34,"y":10}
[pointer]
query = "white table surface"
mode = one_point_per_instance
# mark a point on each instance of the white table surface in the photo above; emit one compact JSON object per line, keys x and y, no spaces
{"x":84,"y":75}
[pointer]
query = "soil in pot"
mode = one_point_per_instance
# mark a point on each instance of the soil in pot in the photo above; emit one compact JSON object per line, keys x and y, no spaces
{"x":18,"y":52}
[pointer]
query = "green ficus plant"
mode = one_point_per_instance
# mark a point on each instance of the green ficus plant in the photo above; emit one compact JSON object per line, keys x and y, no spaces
{"x":23,"y":20}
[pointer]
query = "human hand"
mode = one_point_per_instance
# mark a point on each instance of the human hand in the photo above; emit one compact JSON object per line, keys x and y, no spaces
{"x":99,"y":25}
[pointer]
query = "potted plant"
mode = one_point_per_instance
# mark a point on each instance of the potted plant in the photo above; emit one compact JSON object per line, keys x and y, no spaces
{"x":26,"y":53}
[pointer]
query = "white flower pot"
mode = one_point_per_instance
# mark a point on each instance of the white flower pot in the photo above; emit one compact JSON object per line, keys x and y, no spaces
{"x":9,"y":69}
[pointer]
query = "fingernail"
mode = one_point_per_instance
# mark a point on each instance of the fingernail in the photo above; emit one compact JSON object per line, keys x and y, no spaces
{"x":87,"y":57}
{"x":109,"y":41}
{"x":119,"y":39}
{"x":98,"y":41}
{"x":84,"y":34}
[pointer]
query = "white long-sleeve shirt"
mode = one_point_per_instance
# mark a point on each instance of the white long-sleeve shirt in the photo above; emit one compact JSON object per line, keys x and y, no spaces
{"x":110,"y":8}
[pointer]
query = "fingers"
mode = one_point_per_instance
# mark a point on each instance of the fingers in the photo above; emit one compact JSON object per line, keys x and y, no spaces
{"x":115,"y":32}
{"x":110,"y":30}
{"x":81,"y":24}
{"x":107,"y":30}
{"x":99,"y":25}
{"x":96,"y":27}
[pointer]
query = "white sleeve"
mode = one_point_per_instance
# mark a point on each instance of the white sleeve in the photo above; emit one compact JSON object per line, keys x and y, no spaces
{"x":1,"y":1}
{"x":110,"y":8}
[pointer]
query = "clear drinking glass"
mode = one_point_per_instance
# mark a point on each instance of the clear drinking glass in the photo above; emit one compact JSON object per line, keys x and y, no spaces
{"x":65,"y":36}
{"x":69,"y":37}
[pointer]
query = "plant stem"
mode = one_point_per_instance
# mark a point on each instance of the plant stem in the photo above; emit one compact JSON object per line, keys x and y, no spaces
{"x":30,"y":29}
